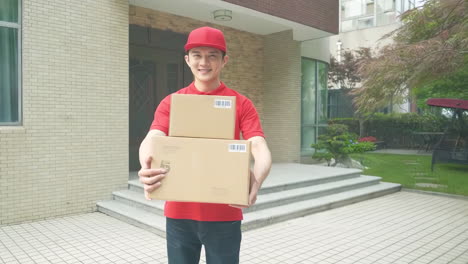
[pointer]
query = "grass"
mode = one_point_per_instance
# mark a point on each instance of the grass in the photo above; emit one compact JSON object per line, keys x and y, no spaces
{"x":414,"y":171}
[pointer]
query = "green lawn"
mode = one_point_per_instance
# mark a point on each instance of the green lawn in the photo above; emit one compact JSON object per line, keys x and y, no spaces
{"x":414,"y":171}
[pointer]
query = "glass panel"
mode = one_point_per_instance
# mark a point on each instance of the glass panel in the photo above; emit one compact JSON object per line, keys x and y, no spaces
{"x":357,"y":14}
{"x":356,"y":8}
{"x":352,"y":8}
{"x":314,"y":92}
{"x":402,"y":6}
{"x":369,"y":8}
{"x":365,"y":22}
{"x":322,"y":130}
{"x":9,"y":97}
{"x":308,"y":104}
{"x":322,"y":92}
{"x":307,"y":138}
{"x":9,"y":10}
{"x":308,"y":92}
{"x":386,"y":12}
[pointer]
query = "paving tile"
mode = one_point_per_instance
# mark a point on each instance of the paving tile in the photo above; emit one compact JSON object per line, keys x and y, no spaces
{"x":396,"y":228}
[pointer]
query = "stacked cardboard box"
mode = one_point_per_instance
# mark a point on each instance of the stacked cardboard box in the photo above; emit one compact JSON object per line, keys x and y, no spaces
{"x":204,"y":162}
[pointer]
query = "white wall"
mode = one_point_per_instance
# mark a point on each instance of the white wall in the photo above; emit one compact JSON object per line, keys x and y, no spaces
{"x":316,"y":49}
{"x":369,"y":37}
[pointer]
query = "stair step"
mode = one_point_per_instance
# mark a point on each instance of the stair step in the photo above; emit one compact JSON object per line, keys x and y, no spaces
{"x":288,"y":176}
{"x":285,"y":183}
{"x":309,"y":192}
{"x":135,"y":185}
{"x":256,"y":219}
{"x":135,"y":216}
{"x":137,"y":199}
{"x":281,"y":213}
{"x":264,"y":201}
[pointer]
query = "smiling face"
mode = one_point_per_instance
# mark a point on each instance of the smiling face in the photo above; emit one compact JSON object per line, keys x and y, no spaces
{"x":206,"y":64}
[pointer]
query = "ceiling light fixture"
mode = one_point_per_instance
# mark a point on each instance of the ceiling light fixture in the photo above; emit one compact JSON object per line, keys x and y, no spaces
{"x":222,"y":15}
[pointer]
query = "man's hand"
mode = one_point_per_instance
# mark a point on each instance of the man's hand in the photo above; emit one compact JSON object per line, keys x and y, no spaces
{"x":261,"y":169}
{"x":151,"y":178}
{"x":254,"y":187}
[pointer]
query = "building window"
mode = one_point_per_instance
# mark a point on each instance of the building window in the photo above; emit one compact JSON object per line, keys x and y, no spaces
{"x":10,"y":62}
{"x":360,"y":14}
{"x":314,"y":95}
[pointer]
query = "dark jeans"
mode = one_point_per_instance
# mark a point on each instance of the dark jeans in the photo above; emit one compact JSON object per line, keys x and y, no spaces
{"x":186,"y":237}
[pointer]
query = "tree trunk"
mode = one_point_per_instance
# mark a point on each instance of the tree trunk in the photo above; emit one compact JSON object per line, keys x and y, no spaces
{"x":362,"y":131}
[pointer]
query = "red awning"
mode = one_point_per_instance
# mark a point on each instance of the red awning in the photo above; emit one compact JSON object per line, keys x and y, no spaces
{"x":448,"y":103}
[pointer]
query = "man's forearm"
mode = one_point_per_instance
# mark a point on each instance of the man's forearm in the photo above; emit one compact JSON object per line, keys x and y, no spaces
{"x":262,"y":157}
{"x":145,"y":146}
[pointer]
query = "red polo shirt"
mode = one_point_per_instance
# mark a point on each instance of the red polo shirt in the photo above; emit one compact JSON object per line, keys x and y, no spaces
{"x":247,"y":123}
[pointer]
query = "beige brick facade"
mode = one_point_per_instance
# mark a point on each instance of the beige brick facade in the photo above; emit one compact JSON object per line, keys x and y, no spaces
{"x":244,"y":71}
{"x":282,"y":100}
{"x":72,"y":148}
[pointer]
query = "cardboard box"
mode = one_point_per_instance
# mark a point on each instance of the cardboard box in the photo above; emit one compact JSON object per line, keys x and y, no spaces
{"x":202,"y":170}
{"x":202,"y":116}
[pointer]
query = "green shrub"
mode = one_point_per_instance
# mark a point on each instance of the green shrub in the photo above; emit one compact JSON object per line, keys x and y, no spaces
{"x":337,"y":143}
{"x":351,"y":123}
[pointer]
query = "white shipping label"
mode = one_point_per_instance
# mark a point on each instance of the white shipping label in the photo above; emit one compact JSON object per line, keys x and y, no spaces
{"x":237,"y":147}
{"x":220,"y":103}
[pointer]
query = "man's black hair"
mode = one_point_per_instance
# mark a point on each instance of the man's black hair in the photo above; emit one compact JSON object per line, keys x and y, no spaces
{"x":222,"y":52}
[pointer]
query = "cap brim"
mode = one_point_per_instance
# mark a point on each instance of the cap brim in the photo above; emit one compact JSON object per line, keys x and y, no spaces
{"x":194,"y":45}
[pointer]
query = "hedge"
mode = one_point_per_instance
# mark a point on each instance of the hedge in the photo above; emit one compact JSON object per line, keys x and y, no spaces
{"x":396,"y":130}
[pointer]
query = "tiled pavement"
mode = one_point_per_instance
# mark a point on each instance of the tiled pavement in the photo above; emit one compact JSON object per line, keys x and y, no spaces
{"x":403,"y":227}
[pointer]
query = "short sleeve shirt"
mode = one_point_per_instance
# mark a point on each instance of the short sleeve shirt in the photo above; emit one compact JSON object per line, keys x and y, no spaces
{"x":247,"y":123}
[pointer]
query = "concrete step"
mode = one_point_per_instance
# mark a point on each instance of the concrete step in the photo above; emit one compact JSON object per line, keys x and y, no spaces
{"x":135,"y":185}
{"x":134,"y":216}
{"x":291,"y":190}
{"x":137,"y":199}
{"x":285,"y":212}
{"x":155,"y":223}
{"x":278,"y":198}
{"x":290,"y":176}
{"x":276,"y":184}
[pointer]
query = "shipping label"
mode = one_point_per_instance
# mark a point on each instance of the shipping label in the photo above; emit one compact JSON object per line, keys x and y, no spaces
{"x":237,"y":147}
{"x":221,"y":103}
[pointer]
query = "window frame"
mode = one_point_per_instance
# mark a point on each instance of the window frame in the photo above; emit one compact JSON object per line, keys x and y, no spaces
{"x":399,"y":7}
{"x":17,"y":26}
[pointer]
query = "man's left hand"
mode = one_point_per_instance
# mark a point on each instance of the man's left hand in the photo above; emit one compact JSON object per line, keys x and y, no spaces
{"x":254,"y":187}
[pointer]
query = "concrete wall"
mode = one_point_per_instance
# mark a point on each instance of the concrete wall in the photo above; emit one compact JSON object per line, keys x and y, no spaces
{"x":368,"y":38}
{"x":72,"y":148}
{"x":244,"y":71}
{"x":316,"y":49}
{"x":283,"y":96}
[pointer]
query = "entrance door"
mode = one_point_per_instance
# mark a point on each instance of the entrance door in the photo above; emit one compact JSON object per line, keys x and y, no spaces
{"x":155,"y":72}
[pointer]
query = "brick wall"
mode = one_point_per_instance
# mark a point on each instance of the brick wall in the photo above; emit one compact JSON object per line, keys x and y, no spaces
{"x":321,"y":14}
{"x":243,"y":72}
{"x":282,"y":73}
{"x":72,"y":149}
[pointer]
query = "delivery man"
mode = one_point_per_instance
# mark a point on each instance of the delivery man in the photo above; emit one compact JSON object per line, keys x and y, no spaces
{"x":190,"y":225}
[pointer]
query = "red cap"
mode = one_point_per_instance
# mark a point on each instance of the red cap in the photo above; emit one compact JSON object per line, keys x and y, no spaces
{"x":206,"y":37}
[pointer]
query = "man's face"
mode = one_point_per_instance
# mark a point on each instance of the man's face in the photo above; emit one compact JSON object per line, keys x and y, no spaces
{"x":206,"y":63}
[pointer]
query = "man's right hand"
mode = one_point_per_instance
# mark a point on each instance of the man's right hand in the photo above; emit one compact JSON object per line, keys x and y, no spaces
{"x":151,"y":178}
